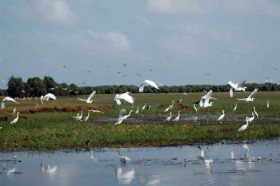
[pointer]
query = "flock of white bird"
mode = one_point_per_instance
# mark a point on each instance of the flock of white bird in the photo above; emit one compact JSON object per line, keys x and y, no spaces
{"x":204,"y":102}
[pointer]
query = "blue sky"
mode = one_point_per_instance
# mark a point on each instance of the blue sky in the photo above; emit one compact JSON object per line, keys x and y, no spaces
{"x":172,"y":42}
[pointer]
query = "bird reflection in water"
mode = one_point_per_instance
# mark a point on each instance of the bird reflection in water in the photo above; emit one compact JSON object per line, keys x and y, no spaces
{"x":47,"y":168}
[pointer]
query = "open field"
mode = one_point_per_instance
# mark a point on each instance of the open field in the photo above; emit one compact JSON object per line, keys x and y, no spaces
{"x":51,"y":126}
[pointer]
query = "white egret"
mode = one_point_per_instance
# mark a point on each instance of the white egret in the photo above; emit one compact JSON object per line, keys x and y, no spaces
{"x":221,"y":116}
{"x":124,"y":159}
{"x":78,"y":117}
{"x":237,"y":86}
{"x":125,"y":176}
{"x":123,"y":116}
{"x":137,"y":110}
{"x":86,"y":118}
{"x":231,"y":92}
{"x":89,"y":99}
{"x":49,"y":96}
{"x":267,"y":104}
{"x":169,"y":107}
{"x":244,"y":127}
{"x":7,"y":98}
{"x":250,"y":98}
{"x":194,"y":107}
{"x":147,"y":83}
{"x":204,"y":101}
{"x":14,"y":110}
{"x":177,"y":117}
{"x":125,"y":96}
{"x":144,"y":106}
{"x":250,"y":119}
{"x":95,"y":111}
{"x":169,"y":117}
{"x":255,"y":112}
{"x":16,"y":119}
{"x":235,"y":107}
{"x":3,"y":105}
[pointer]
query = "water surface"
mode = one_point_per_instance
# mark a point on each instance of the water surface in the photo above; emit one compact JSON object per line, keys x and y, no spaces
{"x":255,"y":163}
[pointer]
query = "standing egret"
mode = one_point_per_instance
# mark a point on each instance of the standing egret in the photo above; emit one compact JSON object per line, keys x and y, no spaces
{"x":255,"y":112}
{"x":244,"y":127}
{"x":123,"y":116}
{"x":169,"y":117}
{"x":78,"y":117}
{"x":235,"y":107}
{"x":194,"y":107}
{"x":249,"y":98}
{"x":3,"y":105}
{"x":147,"y":83}
{"x":14,"y":110}
{"x":89,"y":99}
{"x":250,"y":119}
{"x":144,"y":106}
{"x":267,"y":104}
{"x":177,"y":117}
{"x":222,"y":116}
{"x":86,"y":118}
{"x":125,"y":96}
{"x":231,"y":92}
{"x":16,"y":119}
{"x":137,"y":110}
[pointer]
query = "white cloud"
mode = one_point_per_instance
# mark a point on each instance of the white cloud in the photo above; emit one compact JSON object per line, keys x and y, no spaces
{"x":52,"y":11}
{"x":175,"y":7}
{"x":118,"y":41}
{"x":203,"y":7}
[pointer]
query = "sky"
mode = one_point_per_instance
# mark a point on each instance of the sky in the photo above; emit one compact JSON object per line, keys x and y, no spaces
{"x":124,"y":42}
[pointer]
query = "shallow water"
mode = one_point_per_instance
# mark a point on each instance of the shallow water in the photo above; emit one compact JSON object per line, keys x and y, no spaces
{"x":255,"y":163}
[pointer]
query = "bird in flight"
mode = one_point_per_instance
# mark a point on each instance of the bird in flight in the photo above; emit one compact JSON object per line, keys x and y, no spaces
{"x":89,"y":99}
{"x":125,"y":96}
{"x":147,"y":83}
{"x":250,"y":97}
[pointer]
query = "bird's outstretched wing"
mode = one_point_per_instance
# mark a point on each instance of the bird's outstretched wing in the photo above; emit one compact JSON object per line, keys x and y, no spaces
{"x":252,"y":93}
{"x":81,"y":99}
{"x":91,"y":95}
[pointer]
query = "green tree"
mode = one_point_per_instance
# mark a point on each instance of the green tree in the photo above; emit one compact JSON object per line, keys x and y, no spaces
{"x":15,"y":87}
{"x":35,"y":87}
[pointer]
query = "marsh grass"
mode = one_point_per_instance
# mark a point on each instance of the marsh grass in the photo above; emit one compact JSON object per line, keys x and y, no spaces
{"x":51,"y":126}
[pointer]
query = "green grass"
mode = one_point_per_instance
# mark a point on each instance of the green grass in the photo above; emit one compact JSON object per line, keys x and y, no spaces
{"x":50,"y":126}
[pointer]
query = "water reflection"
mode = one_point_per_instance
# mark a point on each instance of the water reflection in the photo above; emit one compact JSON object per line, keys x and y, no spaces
{"x":219,"y":164}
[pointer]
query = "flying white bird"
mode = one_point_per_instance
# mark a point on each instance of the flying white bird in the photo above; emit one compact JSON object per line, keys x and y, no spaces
{"x":16,"y":119}
{"x":237,"y":86}
{"x":125,"y":96}
{"x":89,"y":99}
{"x":95,"y":111}
{"x":123,"y":116}
{"x":177,"y":117}
{"x":48,"y":168}
{"x":10,"y":99}
{"x":221,"y":116}
{"x":147,"y":83}
{"x":249,"y":98}
{"x":244,"y":127}
{"x":204,"y":101}
{"x":49,"y":96}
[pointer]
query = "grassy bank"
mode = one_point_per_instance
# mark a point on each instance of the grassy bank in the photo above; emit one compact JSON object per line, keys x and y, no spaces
{"x":51,"y":126}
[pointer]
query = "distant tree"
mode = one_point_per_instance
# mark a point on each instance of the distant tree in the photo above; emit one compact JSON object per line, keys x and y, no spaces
{"x":73,"y":89}
{"x":15,"y":87}
{"x":35,"y":87}
{"x":50,"y":83}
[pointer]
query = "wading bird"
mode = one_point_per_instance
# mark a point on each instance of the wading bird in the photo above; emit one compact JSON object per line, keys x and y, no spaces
{"x":255,"y":112}
{"x":169,"y":117}
{"x":89,"y":99}
{"x":16,"y":119}
{"x":78,"y":117}
{"x":222,"y":116}
{"x":244,"y":127}
{"x":125,"y":96}
{"x":267,"y":104}
{"x":235,"y":107}
{"x":205,"y":100}
{"x":147,"y":83}
{"x":123,"y":116}
{"x":249,"y":98}
{"x":250,"y":119}
{"x":177,"y":117}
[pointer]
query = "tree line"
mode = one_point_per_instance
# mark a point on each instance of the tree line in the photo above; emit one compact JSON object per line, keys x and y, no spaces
{"x":35,"y":87}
